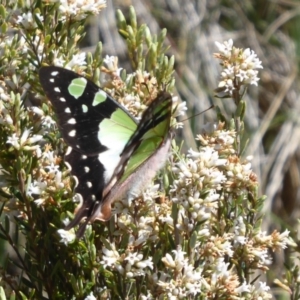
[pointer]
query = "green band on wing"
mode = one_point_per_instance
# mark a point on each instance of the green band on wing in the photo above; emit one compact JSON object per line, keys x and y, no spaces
{"x":117,"y":129}
{"x":99,"y":98}
{"x":77,"y":87}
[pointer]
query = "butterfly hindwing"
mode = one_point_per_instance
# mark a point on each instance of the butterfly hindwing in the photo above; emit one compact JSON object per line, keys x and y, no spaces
{"x":144,"y":154}
{"x":152,"y":131}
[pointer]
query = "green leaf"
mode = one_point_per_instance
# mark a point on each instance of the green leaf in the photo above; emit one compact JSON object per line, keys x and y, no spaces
{"x":2,"y":11}
{"x":132,"y":18}
{"x":121,"y":21}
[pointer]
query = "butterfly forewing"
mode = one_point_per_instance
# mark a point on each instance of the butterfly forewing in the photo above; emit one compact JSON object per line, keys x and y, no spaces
{"x":81,"y":106}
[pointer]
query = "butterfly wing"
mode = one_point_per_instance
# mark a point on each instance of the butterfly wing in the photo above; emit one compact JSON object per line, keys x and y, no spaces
{"x":94,"y":126}
{"x":144,"y":154}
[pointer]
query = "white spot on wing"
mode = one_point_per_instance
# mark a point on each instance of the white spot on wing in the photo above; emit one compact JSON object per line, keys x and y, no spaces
{"x":89,"y":184}
{"x":62,"y":99}
{"x":57,"y":89}
{"x":67,"y":110}
{"x":72,"y":121}
{"x":72,"y":133}
{"x":69,"y":150}
{"x":86,"y":169}
{"x":93,"y":197}
{"x":68,"y":165}
{"x":110,"y":159}
{"x":76,"y":180}
{"x":84,"y":108}
{"x":51,"y":79}
{"x":54,"y":73}
{"x":83,"y":156}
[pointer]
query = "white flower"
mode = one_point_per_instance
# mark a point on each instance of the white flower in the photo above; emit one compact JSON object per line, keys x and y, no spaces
{"x":284,"y":239}
{"x":24,"y":140}
{"x":181,"y":107}
{"x":58,"y":181}
{"x":220,"y":270}
{"x":90,"y":297}
{"x":244,"y":287}
{"x":229,"y":87}
{"x":132,"y":258}
{"x":36,"y":188}
{"x":145,"y":263}
{"x":263,"y":287}
{"x":47,"y":122}
{"x":225,"y":48}
{"x":67,"y":236}
{"x":39,"y":201}
{"x":14,"y":141}
{"x":110,"y":257}
{"x":52,"y":169}
{"x":79,"y":9}
{"x":36,"y":110}
{"x":34,"y":138}
{"x":28,"y":21}
{"x":49,"y":156}
{"x":111,"y":63}
{"x":77,"y":60}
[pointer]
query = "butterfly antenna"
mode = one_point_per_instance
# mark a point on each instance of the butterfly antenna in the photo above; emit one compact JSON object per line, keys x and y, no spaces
{"x":200,"y":113}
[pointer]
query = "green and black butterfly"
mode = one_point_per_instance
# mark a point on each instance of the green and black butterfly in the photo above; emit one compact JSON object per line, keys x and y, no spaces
{"x":110,"y":155}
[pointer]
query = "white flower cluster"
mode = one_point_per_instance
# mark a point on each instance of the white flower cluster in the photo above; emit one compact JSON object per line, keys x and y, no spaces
{"x":131,"y":264}
{"x":185,"y":282}
{"x":48,"y":177}
{"x":200,"y":169}
{"x":79,"y":9}
{"x":45,"y":122}
{"x":111,"y":64}
{"x":239,"y":66}
{"x":24,"y":141}
{"x":27,"y":20}
{"x":77,"y":60}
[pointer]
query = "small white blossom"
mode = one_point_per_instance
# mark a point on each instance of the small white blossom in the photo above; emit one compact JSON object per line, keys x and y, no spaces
{"x":110,"y":257}
{"x":78,"y":59}
{"x":67,"y":236}
{"x":244,"y":287}
{"x":225,"y":48}
{"x":17,"y":142}
{"x":90,"y":297}
{"x":48,"y":122}
{"x":111,"y":62}
{"x":36,"y":110}
{"x":14,"y":141}
{"x":36,"y":188}
{"x":52,"y":169}
{"x":39,"y":201}
{"x":27,"y":20}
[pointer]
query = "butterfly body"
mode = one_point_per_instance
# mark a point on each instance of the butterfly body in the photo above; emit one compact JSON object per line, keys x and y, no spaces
{"x":109,"y":154}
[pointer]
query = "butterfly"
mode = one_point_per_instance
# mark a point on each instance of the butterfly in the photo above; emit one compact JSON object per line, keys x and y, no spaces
{"x":110,"y":155}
